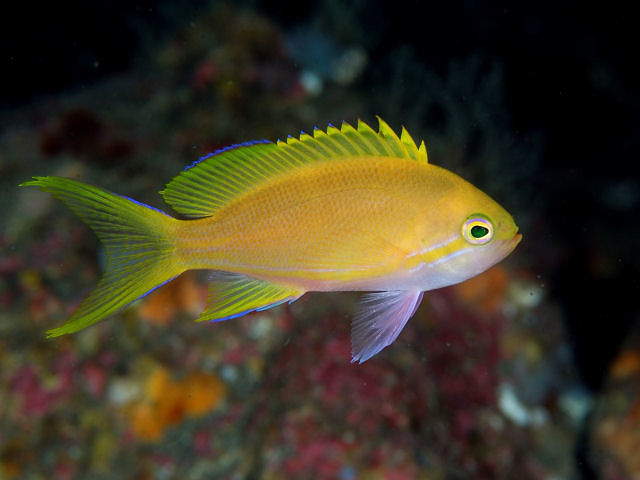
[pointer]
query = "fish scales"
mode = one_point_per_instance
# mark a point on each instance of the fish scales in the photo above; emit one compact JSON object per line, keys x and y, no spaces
{"x":306,"y":220}
{"x":344,"y":209}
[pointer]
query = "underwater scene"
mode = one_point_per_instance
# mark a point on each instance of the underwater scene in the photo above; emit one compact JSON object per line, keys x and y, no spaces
{"x":332,"y":240}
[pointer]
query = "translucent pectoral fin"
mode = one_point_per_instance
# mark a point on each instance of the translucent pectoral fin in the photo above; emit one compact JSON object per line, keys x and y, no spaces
{"x":382,"y":317}
{"x":233,"y":295}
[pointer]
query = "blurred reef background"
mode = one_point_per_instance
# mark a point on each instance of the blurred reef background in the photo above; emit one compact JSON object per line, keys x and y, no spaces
{"x":530,"y":371}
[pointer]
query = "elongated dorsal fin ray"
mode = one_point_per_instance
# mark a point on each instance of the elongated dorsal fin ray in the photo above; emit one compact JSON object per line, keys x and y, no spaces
{"x":219,"y":178}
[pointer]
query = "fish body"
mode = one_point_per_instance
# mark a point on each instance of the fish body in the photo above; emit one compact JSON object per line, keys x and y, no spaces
{"x":373,"y":223}
{"x":340,"y":210}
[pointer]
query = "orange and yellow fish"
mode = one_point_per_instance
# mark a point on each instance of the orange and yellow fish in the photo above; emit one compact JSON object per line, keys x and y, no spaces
{"x":346,"y":209}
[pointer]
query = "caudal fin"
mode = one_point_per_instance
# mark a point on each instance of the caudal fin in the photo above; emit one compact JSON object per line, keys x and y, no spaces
{"x":137,"y":242}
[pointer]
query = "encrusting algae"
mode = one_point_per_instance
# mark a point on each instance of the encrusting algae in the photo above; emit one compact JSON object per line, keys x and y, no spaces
{"x":346,"y":209}
{"x":166,"y":402}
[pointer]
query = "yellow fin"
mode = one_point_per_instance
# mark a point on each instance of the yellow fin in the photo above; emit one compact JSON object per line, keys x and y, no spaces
{"x":220,"y":178}
{"x":410,"y":145}
{"x":137,"y":241}
{"x":233,"y":295}
{"x":423,"y":151}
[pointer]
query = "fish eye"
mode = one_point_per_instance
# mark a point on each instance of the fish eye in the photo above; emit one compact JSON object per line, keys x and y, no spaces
{"x":477,"y":230}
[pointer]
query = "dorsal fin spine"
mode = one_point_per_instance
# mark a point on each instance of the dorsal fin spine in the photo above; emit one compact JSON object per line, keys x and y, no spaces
{"x":396,"y":144}
{"x":228,"y":148}
{"x":259,"y":169}
{"x":323,"y":148}
{"x":303,"y":148}
{"x":374,"y":138}
{"x":358,"y":139}
{"x":285,"y":154}
{"x":216,"y":179}
{"x":397,"y":149}
{"x":368,"y":136}
{"x":333,"y":145}
{"x":344,"y":142}
{"x":423,"y":151}
{"x":409,"y":144}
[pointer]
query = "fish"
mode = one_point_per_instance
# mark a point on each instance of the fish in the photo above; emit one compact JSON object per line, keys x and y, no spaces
{"x":341,"y":209}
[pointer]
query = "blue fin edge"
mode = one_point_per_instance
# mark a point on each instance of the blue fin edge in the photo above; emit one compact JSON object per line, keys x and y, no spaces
{"x":289,"y":300}
{"x":225,"y":149}
{"x":142,"y":204}
{"x":155,"y":288}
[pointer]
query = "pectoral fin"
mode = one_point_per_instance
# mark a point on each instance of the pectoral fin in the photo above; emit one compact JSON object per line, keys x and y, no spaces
{"x":382,"y":317}
{"x":233,"y":295}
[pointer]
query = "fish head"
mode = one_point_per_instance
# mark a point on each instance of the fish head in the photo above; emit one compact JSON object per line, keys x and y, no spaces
{"x":473,"y":233}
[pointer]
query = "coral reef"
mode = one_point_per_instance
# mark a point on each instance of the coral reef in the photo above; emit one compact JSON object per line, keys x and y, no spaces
{"x":615,"y":429}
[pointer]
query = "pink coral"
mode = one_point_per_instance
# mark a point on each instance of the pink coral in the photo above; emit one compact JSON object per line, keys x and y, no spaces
{"x":37,"y":397}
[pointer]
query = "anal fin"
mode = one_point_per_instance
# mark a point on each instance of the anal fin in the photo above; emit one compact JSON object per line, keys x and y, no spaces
{"x":233,"y":295}
{"x":382,"y":317}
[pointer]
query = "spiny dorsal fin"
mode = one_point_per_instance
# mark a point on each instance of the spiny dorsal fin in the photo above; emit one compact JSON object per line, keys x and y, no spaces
{"x":217,"y":179}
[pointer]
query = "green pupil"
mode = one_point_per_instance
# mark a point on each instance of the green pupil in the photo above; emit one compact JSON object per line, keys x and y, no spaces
{"x":478,"y":231}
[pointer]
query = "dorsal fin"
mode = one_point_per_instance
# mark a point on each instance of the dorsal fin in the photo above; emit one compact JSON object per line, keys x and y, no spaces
{"x":222,"y":176}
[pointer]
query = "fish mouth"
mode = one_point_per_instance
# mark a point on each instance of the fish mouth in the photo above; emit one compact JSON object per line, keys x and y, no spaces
{"x":510,"y":236}
{"x":509,"y":245}
{"x":516,"y":239}
{"x":506,"y":246}
{"x":513,"y":243}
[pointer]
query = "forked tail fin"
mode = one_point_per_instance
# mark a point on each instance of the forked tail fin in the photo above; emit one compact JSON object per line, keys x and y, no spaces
{"x":137,"y":241}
